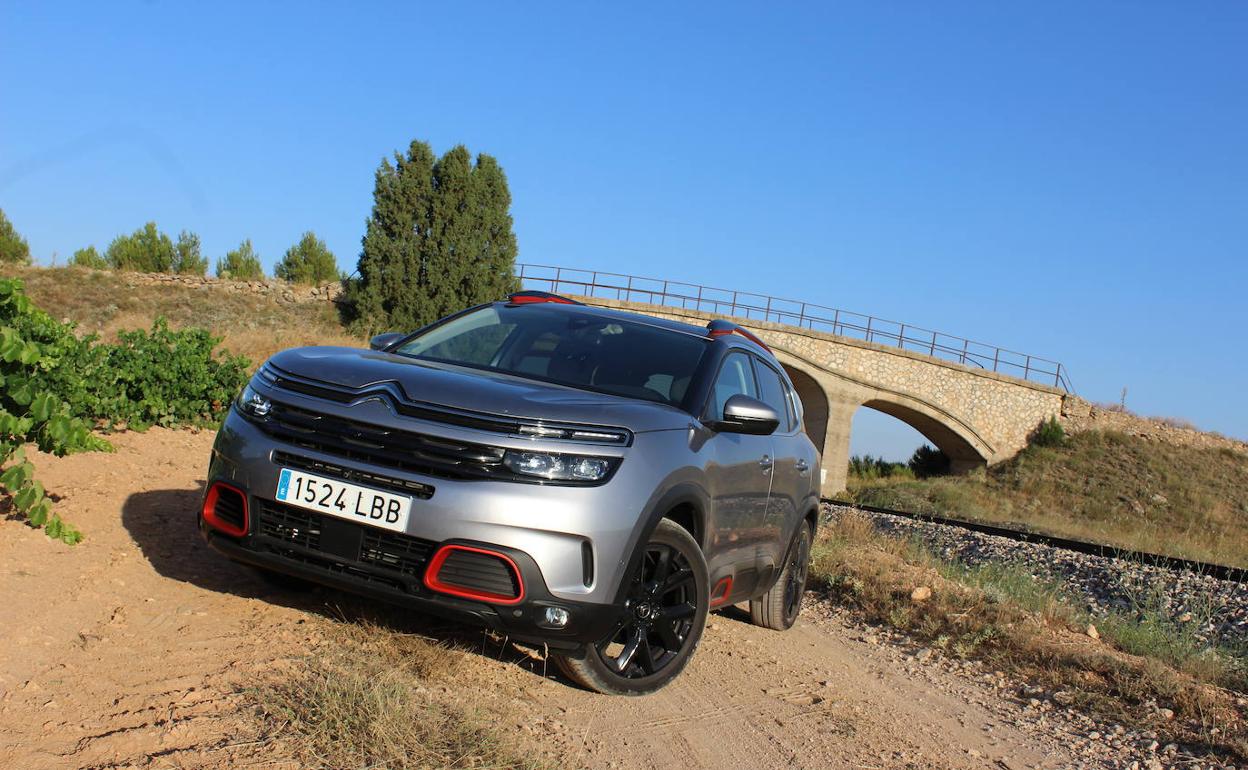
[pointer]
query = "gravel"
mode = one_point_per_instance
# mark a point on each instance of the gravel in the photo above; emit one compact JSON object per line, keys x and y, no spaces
{"x":1216,"y":609}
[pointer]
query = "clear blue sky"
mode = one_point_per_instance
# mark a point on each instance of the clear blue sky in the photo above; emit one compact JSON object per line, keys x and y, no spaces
{"x":1066,"y":179}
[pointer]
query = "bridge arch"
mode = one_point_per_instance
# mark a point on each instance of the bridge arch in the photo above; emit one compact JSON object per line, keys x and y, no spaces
{"x":830,"y":400}
{"x":965,"y":452}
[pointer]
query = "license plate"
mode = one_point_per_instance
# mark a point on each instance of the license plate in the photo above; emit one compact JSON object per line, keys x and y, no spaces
{"x":345,"y":501}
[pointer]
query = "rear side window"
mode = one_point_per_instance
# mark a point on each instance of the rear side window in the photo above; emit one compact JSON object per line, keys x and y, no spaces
{"x":736,"y":377}
{"x":772,"y":393}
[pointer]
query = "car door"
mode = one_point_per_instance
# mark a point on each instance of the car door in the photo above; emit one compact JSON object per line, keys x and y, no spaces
{"x":791,"y":470}
{"x":738,"y":474}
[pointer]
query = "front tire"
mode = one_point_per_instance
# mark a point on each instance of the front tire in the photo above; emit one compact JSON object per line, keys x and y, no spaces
{"x":778,"y":608}
{"x":664,"y":614}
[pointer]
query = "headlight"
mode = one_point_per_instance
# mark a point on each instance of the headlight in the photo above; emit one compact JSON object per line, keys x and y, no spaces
{"x":252,"y":403}
{"x":558,"y":467}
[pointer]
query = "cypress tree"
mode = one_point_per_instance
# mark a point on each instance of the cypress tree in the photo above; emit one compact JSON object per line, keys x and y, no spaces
{"x":439,"y":239}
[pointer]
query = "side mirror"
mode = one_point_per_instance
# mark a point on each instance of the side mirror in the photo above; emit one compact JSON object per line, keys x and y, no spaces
{"x":750,"y":416}
{"x":383,"y":341}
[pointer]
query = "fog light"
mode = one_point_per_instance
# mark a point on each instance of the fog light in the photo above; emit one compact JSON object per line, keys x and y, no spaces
{"x":556,"y":617}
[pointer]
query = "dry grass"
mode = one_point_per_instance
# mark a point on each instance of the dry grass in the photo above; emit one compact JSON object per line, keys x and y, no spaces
{"x":102,"y":303}
{"x":367,"y":698}
{"x":1103,"y":487}
{"x":1018,"y":624}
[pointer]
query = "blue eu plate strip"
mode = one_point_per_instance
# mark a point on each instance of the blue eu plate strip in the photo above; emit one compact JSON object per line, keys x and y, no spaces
{"x":283,"y":484}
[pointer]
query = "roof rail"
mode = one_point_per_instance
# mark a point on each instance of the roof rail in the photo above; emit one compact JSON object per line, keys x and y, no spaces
{"x":535,"y":297}
{"x":721,"y":328}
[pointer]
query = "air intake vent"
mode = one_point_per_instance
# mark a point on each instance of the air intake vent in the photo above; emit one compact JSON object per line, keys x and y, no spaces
{"x":475,"y":573}
{"x":225,"y":509}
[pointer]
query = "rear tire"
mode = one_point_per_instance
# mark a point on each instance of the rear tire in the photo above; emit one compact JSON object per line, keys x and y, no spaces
{"x":779,"y":607}
{"x":661,"y":625}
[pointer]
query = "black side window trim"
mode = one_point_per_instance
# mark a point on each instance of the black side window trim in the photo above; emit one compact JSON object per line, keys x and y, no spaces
{"x":790,"y":418}
{"x":710,"y":396}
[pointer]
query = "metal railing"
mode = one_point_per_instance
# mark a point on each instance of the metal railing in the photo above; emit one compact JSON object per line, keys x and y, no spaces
{"x":807,"y":315}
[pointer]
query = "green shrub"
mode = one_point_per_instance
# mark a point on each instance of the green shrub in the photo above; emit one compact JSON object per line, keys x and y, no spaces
{"x":55,"y":385}
{"x":13,"y":247}
{"x":89,"y":257}
{"x":29,"y":412}
{"x":868,"y":468}
{"x":165,"y":377}
{"x":242,"y":264}
{"x":1050,"y":433}
{"x":186,"y":257}
{"x":146,"y":250}
{"x":928,"y":461}
{"x":308,"y":262}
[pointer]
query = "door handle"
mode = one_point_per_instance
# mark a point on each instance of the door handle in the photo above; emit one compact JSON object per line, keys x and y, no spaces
{"x":765,"y":463}
{"x":802,"y":467}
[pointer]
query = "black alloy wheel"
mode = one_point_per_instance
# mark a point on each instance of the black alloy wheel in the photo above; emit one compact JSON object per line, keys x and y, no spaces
{"x":660,"y":623}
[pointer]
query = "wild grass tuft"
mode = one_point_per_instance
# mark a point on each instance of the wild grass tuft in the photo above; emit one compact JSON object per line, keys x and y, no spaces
{"x":364,"y":699}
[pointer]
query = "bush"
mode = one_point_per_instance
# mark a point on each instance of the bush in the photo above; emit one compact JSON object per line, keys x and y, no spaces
{"x":186,"y":257}
{"x":242,"y":264}
{"x":1050,"y":433}
{"x":13,"y":247}
{"x":55,"y":385}
{"x":89,"y":257}
{"x":146,"y":250}
{"x":308,"y":262}
{"x":30,"y":412}
{"x":165,"y":377}
{"x":928,"y":461}
{"x":867,"y":468}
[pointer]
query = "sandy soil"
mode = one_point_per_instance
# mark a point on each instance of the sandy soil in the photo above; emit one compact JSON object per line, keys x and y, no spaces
{"x":131,"y":649}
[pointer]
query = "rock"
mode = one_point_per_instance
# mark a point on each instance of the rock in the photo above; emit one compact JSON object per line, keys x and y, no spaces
{"x":1166,"y":714}
{"x":921,"y":594}
{"x":1092,"y":632}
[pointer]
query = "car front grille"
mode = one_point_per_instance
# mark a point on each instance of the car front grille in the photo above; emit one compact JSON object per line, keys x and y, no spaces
{"x":328,"y":541}
{"x":378,"y":445}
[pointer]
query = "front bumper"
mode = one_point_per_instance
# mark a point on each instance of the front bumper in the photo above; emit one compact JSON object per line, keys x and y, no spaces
{"x":497,"y":516}
{"x":523,"y":621}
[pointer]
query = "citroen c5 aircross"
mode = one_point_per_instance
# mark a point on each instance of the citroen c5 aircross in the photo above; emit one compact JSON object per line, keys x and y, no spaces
{"x":578,"y":477}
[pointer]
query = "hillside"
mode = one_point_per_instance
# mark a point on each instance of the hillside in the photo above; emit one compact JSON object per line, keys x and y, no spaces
{"x":1101,"y":486}
{"x":250,"y":322}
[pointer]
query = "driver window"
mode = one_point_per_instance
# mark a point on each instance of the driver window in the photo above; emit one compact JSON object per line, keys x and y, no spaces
{"x":736,"y":377}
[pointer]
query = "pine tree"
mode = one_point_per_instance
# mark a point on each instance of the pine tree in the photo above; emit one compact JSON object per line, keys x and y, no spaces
{"x":308,"y":262}
{"x":89,"y":257}
{"x":241,"y":264}
{"x":186,"y":257}
{"x":13,"y":247}
{"x":439,"y":240}
{"x":146,"y":250}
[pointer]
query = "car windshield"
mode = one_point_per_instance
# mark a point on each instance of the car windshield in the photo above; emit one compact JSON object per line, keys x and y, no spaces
{"x":568,"y":347}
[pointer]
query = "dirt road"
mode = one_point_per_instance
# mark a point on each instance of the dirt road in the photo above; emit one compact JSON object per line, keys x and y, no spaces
{"x":131,"y":650}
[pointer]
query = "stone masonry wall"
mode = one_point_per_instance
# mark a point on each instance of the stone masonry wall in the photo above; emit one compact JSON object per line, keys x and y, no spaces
{"x":275,"y":289}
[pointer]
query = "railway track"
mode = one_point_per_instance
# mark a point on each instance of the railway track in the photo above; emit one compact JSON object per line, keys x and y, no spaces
{"x":1218,"y":571}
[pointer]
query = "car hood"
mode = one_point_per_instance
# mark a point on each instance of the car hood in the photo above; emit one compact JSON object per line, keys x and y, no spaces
{"x":484,"y":392}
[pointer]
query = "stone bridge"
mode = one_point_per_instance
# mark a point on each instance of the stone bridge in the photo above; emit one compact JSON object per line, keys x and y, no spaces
{"x":976,"y":416}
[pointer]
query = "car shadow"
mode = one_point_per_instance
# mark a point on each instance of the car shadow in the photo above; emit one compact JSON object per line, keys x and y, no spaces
{"x":163,"y":524}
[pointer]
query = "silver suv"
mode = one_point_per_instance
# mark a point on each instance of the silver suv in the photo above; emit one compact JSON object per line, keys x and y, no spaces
{"x":583,"y":478}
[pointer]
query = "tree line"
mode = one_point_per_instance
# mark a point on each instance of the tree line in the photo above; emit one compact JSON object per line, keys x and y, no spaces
{"x":439,"y":239}
{"x":149,"y":250}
